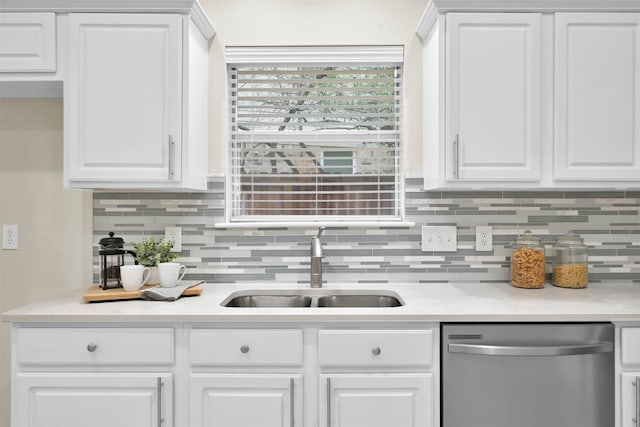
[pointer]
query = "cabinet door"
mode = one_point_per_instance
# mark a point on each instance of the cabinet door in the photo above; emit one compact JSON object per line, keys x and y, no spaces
{"x":221,"y":400}
{"x":123,"y":98}
{"x":629,"y":405}
{"x":96,"y":400}
{"x":27,"y":42}
{"x":597,"y":96}
{"x":399,"y":400}
{"x":493,"y":96}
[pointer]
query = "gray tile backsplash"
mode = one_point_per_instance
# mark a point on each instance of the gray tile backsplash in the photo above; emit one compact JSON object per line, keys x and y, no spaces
{"x":609,"y":222}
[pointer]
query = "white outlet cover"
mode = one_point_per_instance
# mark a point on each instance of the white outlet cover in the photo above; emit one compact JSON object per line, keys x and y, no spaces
{"x":484,"y":238}
{"x":10,"y":236}
{"x":175,"y":234}
{"x":439,"y":238}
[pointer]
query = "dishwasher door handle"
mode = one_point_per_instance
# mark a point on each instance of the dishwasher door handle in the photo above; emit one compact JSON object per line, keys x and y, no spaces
{"x":539,"y":350}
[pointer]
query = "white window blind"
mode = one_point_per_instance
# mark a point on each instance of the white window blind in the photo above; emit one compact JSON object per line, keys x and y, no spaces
{"x":317,"y":137}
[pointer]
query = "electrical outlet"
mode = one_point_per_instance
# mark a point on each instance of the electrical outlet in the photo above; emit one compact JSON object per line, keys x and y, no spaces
{"x":439,"y":239}
{"x":484,"y":238}
{"x":10,"y":236}
{"x":175,"y":235}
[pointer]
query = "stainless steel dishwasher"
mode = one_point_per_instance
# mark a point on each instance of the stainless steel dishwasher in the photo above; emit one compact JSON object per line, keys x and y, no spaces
{"x":527,"y":375}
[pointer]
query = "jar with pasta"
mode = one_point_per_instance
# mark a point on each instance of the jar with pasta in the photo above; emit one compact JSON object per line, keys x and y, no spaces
{"x":570,"y":266}
{"x":527,"y":262}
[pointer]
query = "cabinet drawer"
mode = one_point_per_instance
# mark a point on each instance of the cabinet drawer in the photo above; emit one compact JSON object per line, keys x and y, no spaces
{"x":630,"y":343}
{"x":27,"y":42}
{"x":246,"y":347}
{"x":376,"y":348}
{"x":94,"y":346}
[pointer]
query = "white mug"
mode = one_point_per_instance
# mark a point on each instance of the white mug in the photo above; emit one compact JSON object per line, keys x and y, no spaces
{"x":133,"y":276}
{"x":170,"y":273}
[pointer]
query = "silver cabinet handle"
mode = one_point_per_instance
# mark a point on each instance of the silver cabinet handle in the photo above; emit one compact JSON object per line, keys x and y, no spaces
{"x":159,"y":391}
{"x":291,"y":402}
{"x":244,"y":349}
{"x":328,"y":402}
{"x":456,"y":156}
{"x":636,"y":383}
{"x":91,"y":347}
{"x":172,"y":153}
{"x":375,"y":351}
{"x":542,"y":350}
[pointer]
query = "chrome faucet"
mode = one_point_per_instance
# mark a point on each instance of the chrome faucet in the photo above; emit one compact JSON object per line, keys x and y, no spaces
{"x":316,"y":260}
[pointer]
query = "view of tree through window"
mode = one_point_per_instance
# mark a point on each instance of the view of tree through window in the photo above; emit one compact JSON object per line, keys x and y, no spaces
{"x":315,"y":140}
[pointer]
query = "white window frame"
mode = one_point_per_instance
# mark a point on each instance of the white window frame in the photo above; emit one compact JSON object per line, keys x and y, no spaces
{"x":312,"y":56}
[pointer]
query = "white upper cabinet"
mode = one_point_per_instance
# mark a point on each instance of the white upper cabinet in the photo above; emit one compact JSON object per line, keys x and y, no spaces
{"x":134,"y":76}
{"x":528,"y":97}
{"x":493,"y":96}
{"x":27,"y":42}
{"x":123,"y":101}
{"x":136,"y":102}
{"x":597,"y":96}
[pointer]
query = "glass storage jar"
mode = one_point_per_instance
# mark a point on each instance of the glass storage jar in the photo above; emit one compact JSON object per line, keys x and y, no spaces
{"x":527,"y":262}
{"x":570,"y":266}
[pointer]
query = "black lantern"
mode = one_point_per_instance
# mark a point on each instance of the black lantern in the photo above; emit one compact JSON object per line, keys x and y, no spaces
{"x":111,"y":258}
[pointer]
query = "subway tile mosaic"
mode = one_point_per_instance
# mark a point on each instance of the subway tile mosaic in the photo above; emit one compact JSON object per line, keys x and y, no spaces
{"x":609,"y":223}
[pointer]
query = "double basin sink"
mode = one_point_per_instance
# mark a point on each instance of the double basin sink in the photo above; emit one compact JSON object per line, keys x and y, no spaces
{"x":313,"y":298}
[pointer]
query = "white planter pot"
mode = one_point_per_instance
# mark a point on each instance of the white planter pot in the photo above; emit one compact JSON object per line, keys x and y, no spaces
{"x":154,"y":276}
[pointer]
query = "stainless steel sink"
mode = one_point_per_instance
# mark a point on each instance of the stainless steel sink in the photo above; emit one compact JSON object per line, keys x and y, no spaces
{"x":358,"y":300}
{"x":329,"y":298}
{"x":269,"y":301}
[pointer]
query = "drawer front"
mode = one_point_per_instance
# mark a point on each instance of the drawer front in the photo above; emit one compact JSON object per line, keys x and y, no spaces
{"x":630,"y":340}
{"x":94,"y":346}
{"x":27,"y":42}
{"x":375,"y":348}
{"x":246,"y":347}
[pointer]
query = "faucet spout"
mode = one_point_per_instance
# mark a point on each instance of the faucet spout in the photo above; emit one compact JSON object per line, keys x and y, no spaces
{"x":316,"y":260}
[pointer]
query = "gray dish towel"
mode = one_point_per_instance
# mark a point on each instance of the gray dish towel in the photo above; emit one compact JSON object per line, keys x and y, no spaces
{"x":158,"y":293}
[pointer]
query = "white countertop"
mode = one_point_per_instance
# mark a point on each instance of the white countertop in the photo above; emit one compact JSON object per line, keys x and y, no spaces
{"x":463,"y":301}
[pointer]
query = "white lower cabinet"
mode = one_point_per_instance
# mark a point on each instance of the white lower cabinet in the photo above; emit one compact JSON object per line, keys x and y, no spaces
{"x":628,"y":371}
{"x":237,"y":377}
{"x":376,"y":400}
{"x":347,"y":374}
{"x":92,"y":376}
{"x":245,"y":400}
{"x":629,"y":392}
{"x":47,"y":399}
{"x":376,"y":378}
{"x":312,"y":377}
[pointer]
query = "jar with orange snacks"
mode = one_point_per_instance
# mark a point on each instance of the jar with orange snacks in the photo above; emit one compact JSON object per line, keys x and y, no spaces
{"x":570,"y":266}
{"x":527,"y":262}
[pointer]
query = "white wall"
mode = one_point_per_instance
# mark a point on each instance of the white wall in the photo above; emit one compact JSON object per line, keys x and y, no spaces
{"x":316,"y":22}
{"x":55,"y":225}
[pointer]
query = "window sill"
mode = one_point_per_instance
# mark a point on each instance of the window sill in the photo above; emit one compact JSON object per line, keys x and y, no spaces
{"x":312,"y":224}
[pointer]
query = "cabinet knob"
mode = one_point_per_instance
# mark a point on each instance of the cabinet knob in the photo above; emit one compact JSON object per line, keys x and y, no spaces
{"x":92,"y":347}
{"x":244,"y":349}
{"x":375,"y":351}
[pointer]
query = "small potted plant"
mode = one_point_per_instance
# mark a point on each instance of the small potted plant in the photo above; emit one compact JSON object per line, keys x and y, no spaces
{"x":150,"y":252}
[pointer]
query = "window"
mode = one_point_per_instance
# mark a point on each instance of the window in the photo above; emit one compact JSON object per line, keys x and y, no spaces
{"x":315,"y":134}
{"x":338,"y":162}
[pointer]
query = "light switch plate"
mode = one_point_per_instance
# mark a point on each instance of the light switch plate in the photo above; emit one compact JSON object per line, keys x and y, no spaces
{"x":439,"y":238}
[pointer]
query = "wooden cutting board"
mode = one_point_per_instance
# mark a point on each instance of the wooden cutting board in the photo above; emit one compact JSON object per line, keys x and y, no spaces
{"x":97,"y":294}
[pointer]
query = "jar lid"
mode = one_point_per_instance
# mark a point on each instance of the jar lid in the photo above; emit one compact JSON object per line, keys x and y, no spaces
{"x":527,"y":238}
{"x":112,"y":242}
{"x":569,"y":239}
